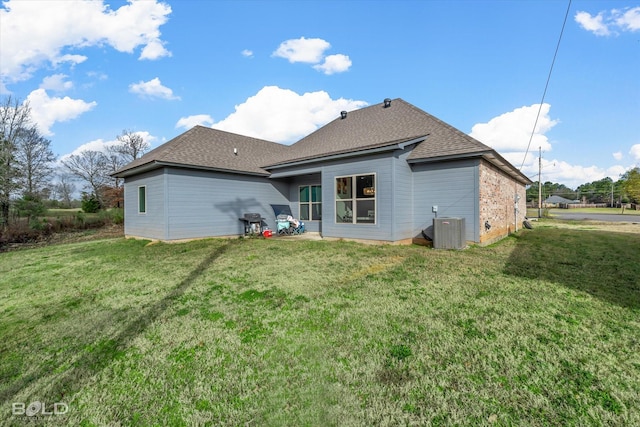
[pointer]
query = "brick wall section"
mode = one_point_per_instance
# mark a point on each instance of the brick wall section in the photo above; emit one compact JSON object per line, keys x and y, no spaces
{"x":497,"y":203}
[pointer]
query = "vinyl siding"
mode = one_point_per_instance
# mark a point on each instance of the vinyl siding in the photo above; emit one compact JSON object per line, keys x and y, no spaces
{"x":453,"y":187}
{"x":294,"y":196}
{"x":150,"y":224}
{"x":402,"y":195}
{"x":381,"y":166}
{"x":206,"y":204}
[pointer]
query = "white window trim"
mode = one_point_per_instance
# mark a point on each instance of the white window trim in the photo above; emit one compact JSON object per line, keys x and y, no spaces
{"x":310,"y":203}
{"x":354,"y":200}
{"x":146,"y":207}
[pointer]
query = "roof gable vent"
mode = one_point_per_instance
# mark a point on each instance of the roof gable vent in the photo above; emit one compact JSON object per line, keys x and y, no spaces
{"x":387,"y":103}
{"x":343,"y":115}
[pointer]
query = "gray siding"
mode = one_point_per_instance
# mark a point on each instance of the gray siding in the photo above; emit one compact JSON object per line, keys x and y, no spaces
{"x":453,"y":187}
{"x":382,"y":166}
{"x":152,"y":223}
{"x":402,"y":195}
{"x":294,"y":197}
{"x":204,"y":204}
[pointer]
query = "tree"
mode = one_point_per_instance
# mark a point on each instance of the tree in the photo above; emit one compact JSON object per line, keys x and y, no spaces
{"x":34,"y":159}
{"x":92,"y":168}
{"x":132,"y":145}
{"x":15,"y":118}
{"x":64,"y":188}
{"x":631,"y":184}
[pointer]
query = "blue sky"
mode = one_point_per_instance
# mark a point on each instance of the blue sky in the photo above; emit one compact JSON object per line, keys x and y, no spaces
{"x":278,"y":70}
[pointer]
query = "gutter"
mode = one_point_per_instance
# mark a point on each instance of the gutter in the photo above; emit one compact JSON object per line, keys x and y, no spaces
{"x":158,"y":164}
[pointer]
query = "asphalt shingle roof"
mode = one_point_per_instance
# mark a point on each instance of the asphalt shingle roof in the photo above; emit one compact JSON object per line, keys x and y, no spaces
{"x":371,"y":127}
{"x":377,"y":126}
{"x":213,"y":149}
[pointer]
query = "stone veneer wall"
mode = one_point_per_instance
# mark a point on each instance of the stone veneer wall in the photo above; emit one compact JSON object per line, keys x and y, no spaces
{"x":497,"y":203}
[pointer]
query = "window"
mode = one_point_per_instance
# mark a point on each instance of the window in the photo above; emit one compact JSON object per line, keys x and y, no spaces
{"x":356,"y":199}
{"x":142,"y":199}
{"x":311,"y":203}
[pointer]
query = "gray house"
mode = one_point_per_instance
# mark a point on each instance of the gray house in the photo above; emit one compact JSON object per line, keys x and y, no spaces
{"x":376,"y":174}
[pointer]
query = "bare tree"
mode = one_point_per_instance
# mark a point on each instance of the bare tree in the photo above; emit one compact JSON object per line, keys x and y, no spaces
{"x":132,"y":145}
{"x":64,"y":189}
{"x":92,"y":168}
{"x":34,"y":159}
{"x":15,"y":117}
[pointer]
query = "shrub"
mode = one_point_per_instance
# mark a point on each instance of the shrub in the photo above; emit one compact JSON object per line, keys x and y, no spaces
{"x":90,"y":203}
{"x":30,"y":206}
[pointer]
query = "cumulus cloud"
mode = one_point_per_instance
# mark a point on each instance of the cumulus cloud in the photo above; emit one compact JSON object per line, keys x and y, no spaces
{"x":282,"y":115}
{"x":611,"y":22}
{"x":103,"y":145}
{"x":510,"y":132}
{"x":197,"y":119}
{"x":247,"y":53}
{"x":152,"y":89}
{"x":46,"y":110}
{"x":309,"y":51}
{"x":31,"y":35}
{"x":334,"y":64}
{"x":635,"y":152}
{"x":56,"y":83}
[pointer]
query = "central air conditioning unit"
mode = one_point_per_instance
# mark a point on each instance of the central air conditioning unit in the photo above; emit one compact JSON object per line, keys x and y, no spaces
{"x":449,"y":233}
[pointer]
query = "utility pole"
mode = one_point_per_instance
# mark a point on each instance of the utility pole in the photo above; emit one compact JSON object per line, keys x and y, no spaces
{"x":539,"y":182}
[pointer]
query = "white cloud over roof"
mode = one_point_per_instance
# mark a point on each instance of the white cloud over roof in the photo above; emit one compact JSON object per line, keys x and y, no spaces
{"x":282,"y":115}
{"x":312,"y":51}
{"x":334,"y":64}
{"x":309,"y":51}
{"x":197,"y":119}
{"x":46,"y":110}
{"x":34,"y":33}
{"x":152,"y":89}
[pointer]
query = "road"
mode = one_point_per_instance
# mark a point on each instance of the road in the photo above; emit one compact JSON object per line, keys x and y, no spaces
{"x":563,"y":214}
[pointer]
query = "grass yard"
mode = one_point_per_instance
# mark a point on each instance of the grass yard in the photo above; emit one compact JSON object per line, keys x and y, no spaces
{"x":542,"y":328}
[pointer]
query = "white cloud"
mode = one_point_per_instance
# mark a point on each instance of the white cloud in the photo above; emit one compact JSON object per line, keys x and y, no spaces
{"x":608,"y":23}
{"x":595,"y":24}
{"x":191,"y":121}
{"x":617,"y":155}
{"x":103,"y":145}
{"x":34,"y":33}
{"x":56,"y":82}
{"x":305,"y":50}
{"x":628,"y":20}
{"x":247,"y":53}
{"x":152,"y":89}
{"x":46,"y":110}
{"x":635,"y":152}
{"x":510,"y":132}
{"x":334,"y":64}
{"x":283,"y":115}
{"x":154,"y":50}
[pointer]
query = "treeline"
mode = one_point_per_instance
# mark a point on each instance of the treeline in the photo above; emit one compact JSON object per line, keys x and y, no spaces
{"x":624,"y":190}
{"x":32,"y":179}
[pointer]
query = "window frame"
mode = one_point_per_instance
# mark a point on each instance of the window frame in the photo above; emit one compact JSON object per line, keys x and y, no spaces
{"x":354,"y":199}
{"x":144,"y":200}
{"x":310,"y":203}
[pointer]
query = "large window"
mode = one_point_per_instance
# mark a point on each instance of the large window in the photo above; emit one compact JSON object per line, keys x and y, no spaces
{"x":142,"y":199}
{"x":356,"y":199}
{"x":311,"y":203}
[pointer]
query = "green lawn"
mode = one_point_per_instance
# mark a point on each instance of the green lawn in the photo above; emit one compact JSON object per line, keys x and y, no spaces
{"x":542,"y":328}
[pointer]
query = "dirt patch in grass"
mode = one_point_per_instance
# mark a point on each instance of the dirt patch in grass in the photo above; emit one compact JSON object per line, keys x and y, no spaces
{"x":614,"y":227}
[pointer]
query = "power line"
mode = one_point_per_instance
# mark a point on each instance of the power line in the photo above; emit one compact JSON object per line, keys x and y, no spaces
{"x":547,"y":84}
